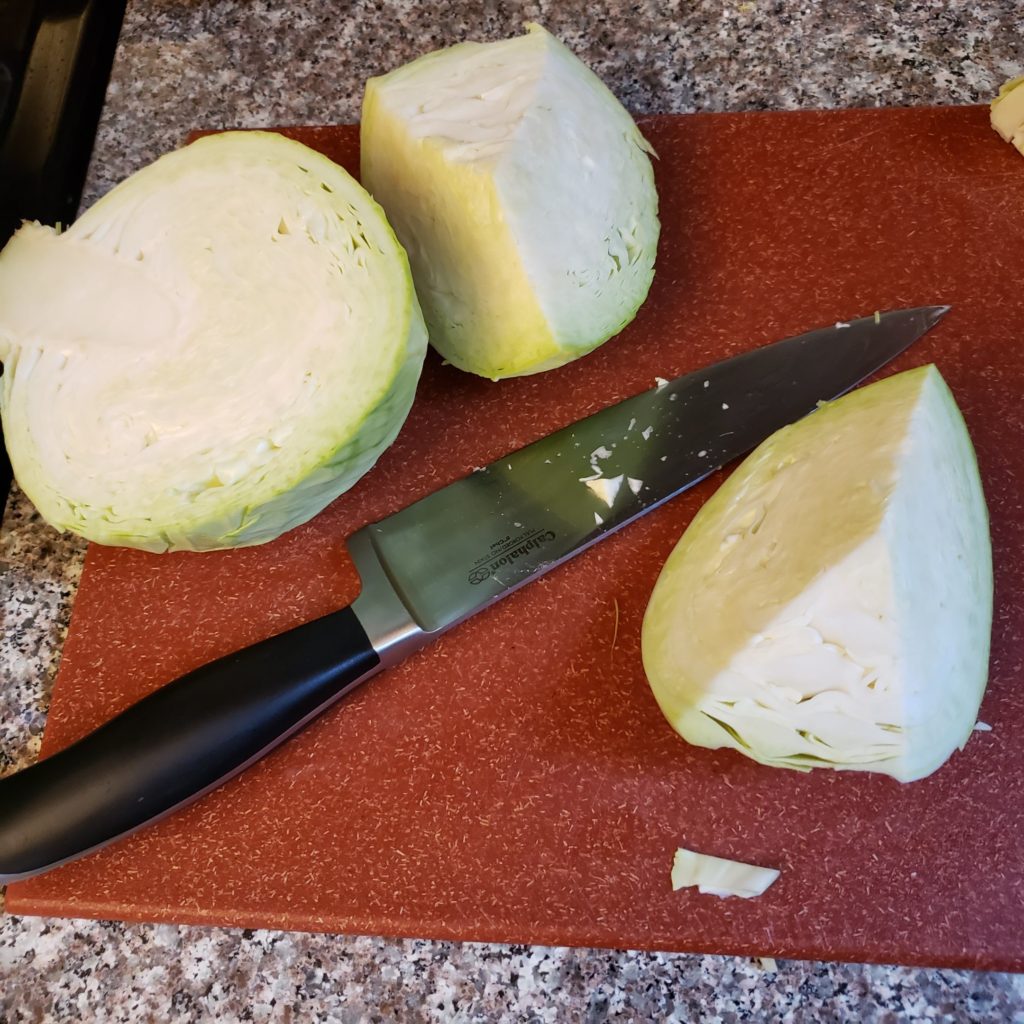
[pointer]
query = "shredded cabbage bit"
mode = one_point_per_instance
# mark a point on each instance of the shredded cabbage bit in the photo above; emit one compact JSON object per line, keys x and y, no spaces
{"x":717,"y":876}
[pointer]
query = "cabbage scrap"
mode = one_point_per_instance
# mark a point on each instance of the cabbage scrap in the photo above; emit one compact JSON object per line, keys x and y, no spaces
{"x":1007,"y":113}
{"x":214,"y":351}
{"x":717,"y":876}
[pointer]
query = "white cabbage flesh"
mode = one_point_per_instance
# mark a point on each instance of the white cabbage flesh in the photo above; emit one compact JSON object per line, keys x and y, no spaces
{"x":1007,"y":112}
{"x":831,"y":605}
{"x":523,"y":191}
{"x":211,"y":353}
{"x":717,"y":876}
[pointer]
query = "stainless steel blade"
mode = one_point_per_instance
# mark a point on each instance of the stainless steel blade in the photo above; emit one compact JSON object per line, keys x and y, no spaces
{"x":472,"y":542}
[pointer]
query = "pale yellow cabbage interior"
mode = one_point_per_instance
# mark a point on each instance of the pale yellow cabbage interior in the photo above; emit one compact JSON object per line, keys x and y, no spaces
{"x":206,"y":337}
{"x":831,"y":604}
{"x":524,"y":194}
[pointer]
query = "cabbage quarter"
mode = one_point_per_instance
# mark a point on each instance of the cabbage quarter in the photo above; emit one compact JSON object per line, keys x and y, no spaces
{"x":831,"y":604}
{"x":524,"y":194}
{"x":214,"y":351}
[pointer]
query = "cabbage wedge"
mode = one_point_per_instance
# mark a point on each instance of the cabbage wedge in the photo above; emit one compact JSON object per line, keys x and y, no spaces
{"x":213,"y":352}
{"x":524,"y":194}
{"x":831,"y":605}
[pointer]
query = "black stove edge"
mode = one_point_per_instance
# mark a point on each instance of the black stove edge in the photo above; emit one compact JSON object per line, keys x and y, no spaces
{"x":55,"y":61}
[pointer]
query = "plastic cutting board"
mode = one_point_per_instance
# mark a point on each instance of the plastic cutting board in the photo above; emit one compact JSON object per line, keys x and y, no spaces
{"x":516,"y":781}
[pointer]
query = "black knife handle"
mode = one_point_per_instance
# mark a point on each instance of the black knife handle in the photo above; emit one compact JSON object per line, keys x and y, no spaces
{"x":177,"y":743}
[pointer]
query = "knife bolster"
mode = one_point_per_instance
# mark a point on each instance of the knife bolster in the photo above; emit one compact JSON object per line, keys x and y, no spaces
{"x":389,"y":624}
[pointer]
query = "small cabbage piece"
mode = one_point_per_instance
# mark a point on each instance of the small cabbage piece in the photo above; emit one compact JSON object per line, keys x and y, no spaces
{"x":717,"y":876}
{"x":831,"y":605}
{"x":210,"y":354}
{"x":524,"y":194}
{"x":1007,"y":113}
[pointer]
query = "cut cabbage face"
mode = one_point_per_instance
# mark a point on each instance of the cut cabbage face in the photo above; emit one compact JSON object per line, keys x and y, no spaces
{"x":524,"y":194}
{"x":211,"y":353}
{"x":831,"y":605}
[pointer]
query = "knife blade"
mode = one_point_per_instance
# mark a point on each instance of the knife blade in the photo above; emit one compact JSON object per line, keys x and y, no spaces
{"x":423,"y":570}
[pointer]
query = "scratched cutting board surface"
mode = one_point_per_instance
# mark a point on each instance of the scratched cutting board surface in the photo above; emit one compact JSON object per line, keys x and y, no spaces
{"x":516,"y":781}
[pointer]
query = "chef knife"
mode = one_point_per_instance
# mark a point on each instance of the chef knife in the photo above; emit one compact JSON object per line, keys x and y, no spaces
{"x":423,"y":570}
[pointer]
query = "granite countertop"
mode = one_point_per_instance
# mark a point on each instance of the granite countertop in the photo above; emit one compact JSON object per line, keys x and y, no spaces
{"x":183,"y":64}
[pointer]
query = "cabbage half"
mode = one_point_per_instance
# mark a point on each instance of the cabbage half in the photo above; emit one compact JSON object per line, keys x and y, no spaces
{"x":524,"y":194}
{"x":212,"y":353}
{"x":831,"y":605}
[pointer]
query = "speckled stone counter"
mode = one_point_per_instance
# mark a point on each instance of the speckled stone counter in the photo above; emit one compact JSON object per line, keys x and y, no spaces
{"x":188,"y":63}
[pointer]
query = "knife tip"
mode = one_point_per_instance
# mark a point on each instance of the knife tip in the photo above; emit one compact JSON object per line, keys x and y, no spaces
{"x":935,"y":313}
{"x":926,"y":317}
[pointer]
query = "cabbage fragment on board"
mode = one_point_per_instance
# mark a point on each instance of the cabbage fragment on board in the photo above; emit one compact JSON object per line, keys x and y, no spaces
{"x":210,"y":354}
{"x":717,"y":876}
{"x":525,"y":196}
{"x":1007,"y":113}
{"x":831,"y":605}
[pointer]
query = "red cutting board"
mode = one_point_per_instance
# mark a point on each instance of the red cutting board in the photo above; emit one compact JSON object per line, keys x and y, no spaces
{"x":516,"y":781}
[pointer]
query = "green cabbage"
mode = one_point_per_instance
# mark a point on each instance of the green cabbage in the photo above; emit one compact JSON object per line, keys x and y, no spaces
{"x":524,"y":194}
{"x":213,"y":352}
{"x":831,"y":605}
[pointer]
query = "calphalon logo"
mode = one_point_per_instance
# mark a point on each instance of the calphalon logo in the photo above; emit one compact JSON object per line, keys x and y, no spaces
{"x":507,"y":551}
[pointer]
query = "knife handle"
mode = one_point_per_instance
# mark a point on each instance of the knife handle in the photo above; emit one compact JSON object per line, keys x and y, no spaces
{"x":178,"y":743}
